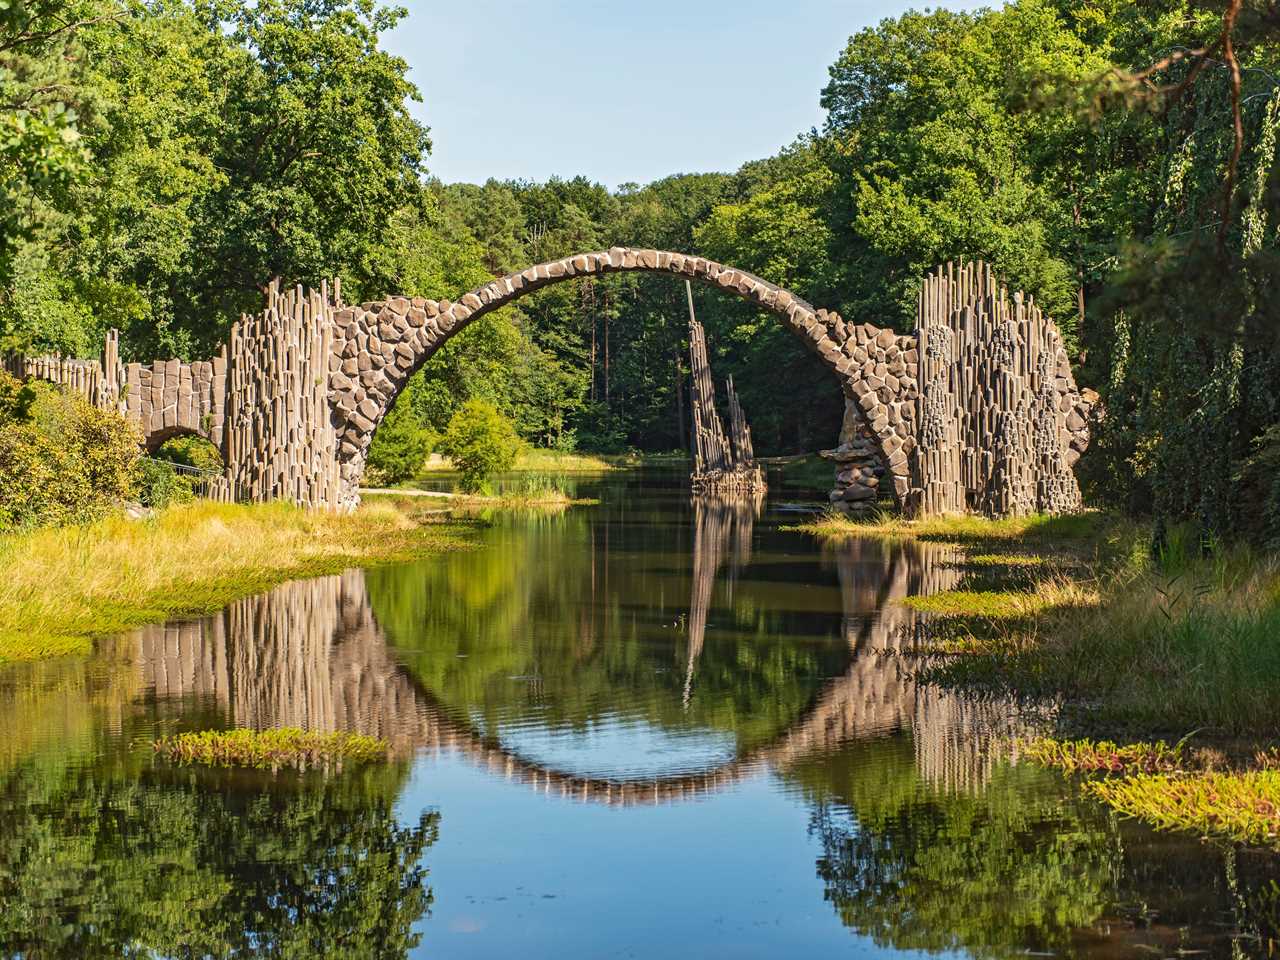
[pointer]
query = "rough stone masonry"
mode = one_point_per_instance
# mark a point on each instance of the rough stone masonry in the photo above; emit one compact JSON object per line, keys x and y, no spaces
{"x":990,"y":421}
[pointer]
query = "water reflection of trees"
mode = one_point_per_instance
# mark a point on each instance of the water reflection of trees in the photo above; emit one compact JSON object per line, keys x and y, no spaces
{"x":96,"y":862}
{"x":994,"y":869}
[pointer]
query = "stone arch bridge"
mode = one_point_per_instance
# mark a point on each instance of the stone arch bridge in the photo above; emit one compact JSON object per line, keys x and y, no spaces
{"x":975,"y":410}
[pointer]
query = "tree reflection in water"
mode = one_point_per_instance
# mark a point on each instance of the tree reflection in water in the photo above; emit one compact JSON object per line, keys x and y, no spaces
{"x":108,"y":863}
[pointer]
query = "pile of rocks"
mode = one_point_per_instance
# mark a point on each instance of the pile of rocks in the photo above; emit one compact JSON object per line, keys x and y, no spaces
{"x":860,"y":468}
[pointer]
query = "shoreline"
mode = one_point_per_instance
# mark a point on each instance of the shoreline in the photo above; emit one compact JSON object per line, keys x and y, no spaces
{"x":62,"y":588}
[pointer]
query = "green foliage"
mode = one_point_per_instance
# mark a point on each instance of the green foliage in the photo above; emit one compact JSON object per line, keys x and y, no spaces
{"x":96,"y":860}
{"x":61,"y":460}
{"x":481,"y":443}
{"x":158,"y":485}
{"x":231,"y":143}
{"x":42,"y":155}
{"x":192,"y":451}
{"x":400,"y":445}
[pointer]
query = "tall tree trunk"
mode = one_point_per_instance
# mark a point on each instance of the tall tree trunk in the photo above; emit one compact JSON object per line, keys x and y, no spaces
{"x":684,"y":431}
{"x":1077,"y":216}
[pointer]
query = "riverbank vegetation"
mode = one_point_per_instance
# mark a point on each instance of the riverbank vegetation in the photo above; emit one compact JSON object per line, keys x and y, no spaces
{"x":1081,"y":620}
{"x":1176,"y":788}
{"x":61,"y":587}
{"x":271,"y":749}
{"x":1082,"y":610}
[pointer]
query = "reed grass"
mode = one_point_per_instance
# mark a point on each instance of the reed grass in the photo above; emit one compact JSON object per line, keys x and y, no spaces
{"x":271,"y":749}
{"x":59,"y":588}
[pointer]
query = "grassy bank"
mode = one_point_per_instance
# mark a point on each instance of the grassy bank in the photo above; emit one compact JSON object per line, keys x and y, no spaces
{"x":1139,"y":649}
{"x":1079,"y":611}
{"x":59,"y":588}
{"x":1125,"y":642}
{"x":1037,"y":530}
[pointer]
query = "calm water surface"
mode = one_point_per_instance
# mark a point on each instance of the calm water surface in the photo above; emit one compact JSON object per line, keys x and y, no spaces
{"x":646,"y":728}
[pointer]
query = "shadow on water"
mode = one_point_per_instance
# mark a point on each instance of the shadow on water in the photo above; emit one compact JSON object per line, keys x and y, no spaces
{"x":649,"y":673}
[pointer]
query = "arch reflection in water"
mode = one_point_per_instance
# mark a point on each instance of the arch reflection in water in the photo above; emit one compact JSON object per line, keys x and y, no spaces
{"x":312,"y":654}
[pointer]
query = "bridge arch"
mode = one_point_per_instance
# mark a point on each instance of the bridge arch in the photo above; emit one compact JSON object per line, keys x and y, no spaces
{"x":378,"y":346}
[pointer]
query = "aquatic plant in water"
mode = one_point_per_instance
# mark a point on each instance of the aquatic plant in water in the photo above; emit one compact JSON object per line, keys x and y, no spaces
{"x":1160,"y":785}
{"x":1088,"y":756}
{"x":1239,"y":805}
{"x":271,"y":749}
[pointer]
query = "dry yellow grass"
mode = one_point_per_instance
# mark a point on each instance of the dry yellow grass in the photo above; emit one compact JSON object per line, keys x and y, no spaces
{"x":59,"y":588}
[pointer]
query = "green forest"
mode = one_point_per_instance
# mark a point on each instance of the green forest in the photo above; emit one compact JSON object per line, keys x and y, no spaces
{"x":161,"y":161}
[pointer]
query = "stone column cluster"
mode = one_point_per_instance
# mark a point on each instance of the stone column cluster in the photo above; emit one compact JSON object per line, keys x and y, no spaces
{"x":1002,"y":422}
{"x":280,"y":437}
{"x":96,"y":380}
{"x":168,"y":398}
{"x":723,"y":463}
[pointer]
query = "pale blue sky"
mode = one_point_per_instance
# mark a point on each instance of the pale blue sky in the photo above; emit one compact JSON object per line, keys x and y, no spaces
{"x":621,"y":91}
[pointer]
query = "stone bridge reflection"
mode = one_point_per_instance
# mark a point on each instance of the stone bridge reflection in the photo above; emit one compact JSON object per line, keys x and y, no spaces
{"x":312,"y":654}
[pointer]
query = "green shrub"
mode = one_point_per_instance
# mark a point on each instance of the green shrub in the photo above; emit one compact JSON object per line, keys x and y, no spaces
{"x":193,"y":451}
{"x":62,"y":461}
{"x":400,"y":446}
{"x":480,"y":442}
{"x":158,"y":485}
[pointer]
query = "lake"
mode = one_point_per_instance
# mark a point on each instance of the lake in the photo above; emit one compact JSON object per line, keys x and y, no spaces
{"x":642,"y":728}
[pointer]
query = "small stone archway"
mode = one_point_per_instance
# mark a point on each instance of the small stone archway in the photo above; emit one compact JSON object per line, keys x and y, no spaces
{"x":378,"y":346}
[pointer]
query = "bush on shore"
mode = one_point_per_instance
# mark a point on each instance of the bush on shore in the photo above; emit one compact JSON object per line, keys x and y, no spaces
{"x":62,"y":461}
{"x":399,"y":449}
{"x":481,"y":443}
